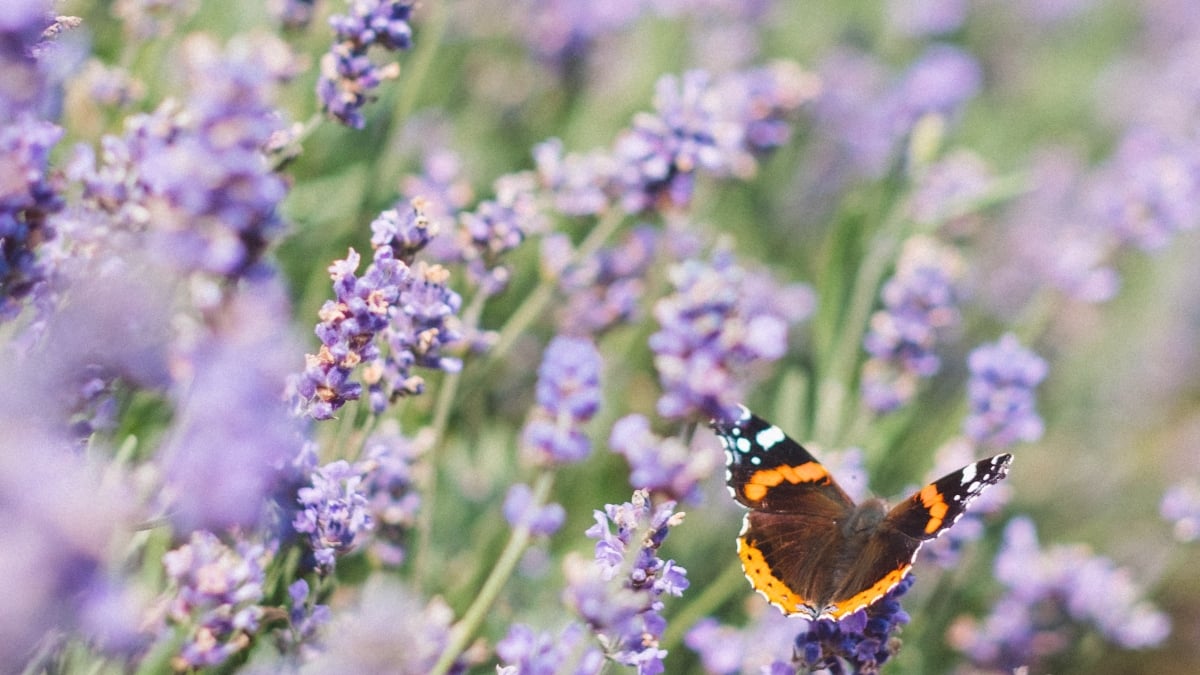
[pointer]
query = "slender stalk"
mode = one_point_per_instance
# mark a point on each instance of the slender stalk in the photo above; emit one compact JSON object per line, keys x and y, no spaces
{"x":535,"y":304}
{"x":464,"y":631}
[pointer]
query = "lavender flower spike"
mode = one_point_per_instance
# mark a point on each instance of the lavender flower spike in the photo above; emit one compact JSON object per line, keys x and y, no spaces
{"x":1003,"y":405}
{"x":568,"y":395}
{"x":348,"y":76}
{"x":620,"y":595}
{"x":334,"y":512}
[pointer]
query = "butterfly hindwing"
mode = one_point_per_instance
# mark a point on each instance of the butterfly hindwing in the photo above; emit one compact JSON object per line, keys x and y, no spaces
{"x":938,"y":505}
{"x":768,"y":471}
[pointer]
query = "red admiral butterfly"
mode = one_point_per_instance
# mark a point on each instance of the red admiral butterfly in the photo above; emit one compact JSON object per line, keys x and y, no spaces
{"x":806,"y":546}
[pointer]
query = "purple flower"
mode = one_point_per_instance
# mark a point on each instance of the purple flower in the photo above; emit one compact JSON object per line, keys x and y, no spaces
{"x":660,"y":154}
{"x":391,"y":630}
{"x":306,"y":623}
{"x":568,"y":395}
{"x":762,"y":102}
{"x":334,"y":512}
{"x":390,"y":320}
{"x":28,"y":196}
{"x":1000,"y":393}
{"x":767,"y":642}
{"x":217,"y":591}
{"x":1180,"y":506}
{"x":720,"y":323}
{"x":348,"y":76}
{"x":578,"y":183}
{"x":862,"y":641}
{"x":949,"y":188}
{"x":663,"y":465}
{"x":620,"y":596}
{"x":1149,"y":190}
{"x":920,"y":304}
{"x":1051,"y":598}
{"x":407,"y":232}
{"x":526,"y":652}
{"x":924,"y":18}
{"x":444,"y":192}
{"x":25,"y":83}
{"x":392,"y":499}
{"x":233,"y":435}
{"x":605,"y":289}
{"x":497,"y":226}
{"x":520,"y":511}
{"x":194,"y":179}
{"x":559,"y":31}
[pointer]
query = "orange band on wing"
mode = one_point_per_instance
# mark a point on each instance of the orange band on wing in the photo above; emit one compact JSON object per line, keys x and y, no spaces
{"x":761,"y":481}
{"x":868,"y":597}
{"x":765,"y":582}
{"x":936,"y":504}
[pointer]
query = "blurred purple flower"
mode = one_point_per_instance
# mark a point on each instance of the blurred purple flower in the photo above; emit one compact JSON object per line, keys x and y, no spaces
{"x":520,"y":511}
{"x":717,"y":326}
{"x":920,"y":304}
{"x":29,"y":194}
{"x":497,"y":226}
{"x":1051,"y":597}
{"x":293,"y":14}
{"x":24,"y":84}
{"x":392,"y":630}
{"x":579,"y":183}
{"x":663,"y":465}
{"x":525,"y":652}
{"x":217,"y":591}
{"x":233,"y":435}
{"x":926,"y":18}
{"x":767,"y":643}
{"x":1149,"y":190}
{"x":390,"y":490}
{"x":559,"y":31}
{"x":306,"y":624}
{"x":620,"y":595}
{"x":864,"y":641}
{"x":660,"y":154}
{"x":1180,"y":506}
{"x":194,"y":178}
{"x":762,"y":102}
{"x":1000,"y":393}
{"x":568,"y":395}
{"x":334,"y":513}
{"x":949,"y":187}
{"x":444,"y":192}
{"x":604,"y":289}
{"x":348,"y":76}
{"x":146,"y":19}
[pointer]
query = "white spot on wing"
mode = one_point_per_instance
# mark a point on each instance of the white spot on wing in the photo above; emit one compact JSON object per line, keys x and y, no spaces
{"x":769,"y":437}
{"x":968,"y":474}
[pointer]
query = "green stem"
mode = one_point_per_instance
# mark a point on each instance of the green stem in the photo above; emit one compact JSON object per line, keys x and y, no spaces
{"x":464,"y":631}
{"x":441,"y":418}
{"x":535,"y":304}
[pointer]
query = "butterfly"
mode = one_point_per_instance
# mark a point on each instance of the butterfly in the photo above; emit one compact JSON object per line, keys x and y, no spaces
{"x":806,"y":546}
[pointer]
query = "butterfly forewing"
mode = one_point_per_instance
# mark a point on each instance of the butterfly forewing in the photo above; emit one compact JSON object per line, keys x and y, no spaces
{"x":938,"y":505}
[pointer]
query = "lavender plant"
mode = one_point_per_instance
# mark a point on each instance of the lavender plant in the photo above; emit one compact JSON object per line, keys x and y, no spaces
{"x":234,"y":443}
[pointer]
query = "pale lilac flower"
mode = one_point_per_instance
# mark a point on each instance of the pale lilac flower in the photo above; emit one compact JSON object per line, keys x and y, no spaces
{"x":334,"y":513}
{"x":520,"y":511}
{"x":1051,"y":600}
{"x":293,"y":14}
{"x":620,"y":595}
{"x":605,"y":289}
{"x":559,"y":31}
{"x":920,"y":305}
{"x":444,"y":192}
{"x":949,"y":188}
{"x":24,"y":84}
{"x":1149,"y":189}
{"x":763,"y":102}
{"x":926,"y":18}
{"x":767,"y":641}
{"x":661,"y":153}
{"x":216,"y":594}
{"x":568,"y":395}
{"x":406,"y":231}
{"x":392,"y":498}
{"x":720,"y":323}
{"x":662,"y":465}
{"x":497,"y":226}
{"x":348,"y":76}
{"x":1000,"y":393}
{"x":233,"y":434}
{"x":306,"y":624}
{"x":1180,"y":506}
{"x":524,"y":651}
{"x":146,"y":19}
{"x":579,"y":183}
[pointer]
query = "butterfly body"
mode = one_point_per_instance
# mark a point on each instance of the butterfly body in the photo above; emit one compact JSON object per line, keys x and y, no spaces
{"x":806,"y":546}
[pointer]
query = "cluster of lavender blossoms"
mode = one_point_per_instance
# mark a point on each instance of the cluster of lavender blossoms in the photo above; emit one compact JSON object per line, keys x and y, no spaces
{"x":1051,"y":595}
{"x":720,"y":322}
{"x":920,"y":305}
{"x":391,"y":319}
{"x":1001,"y":396}
{"x":348,"y":75}
{"x":568,"y":395}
